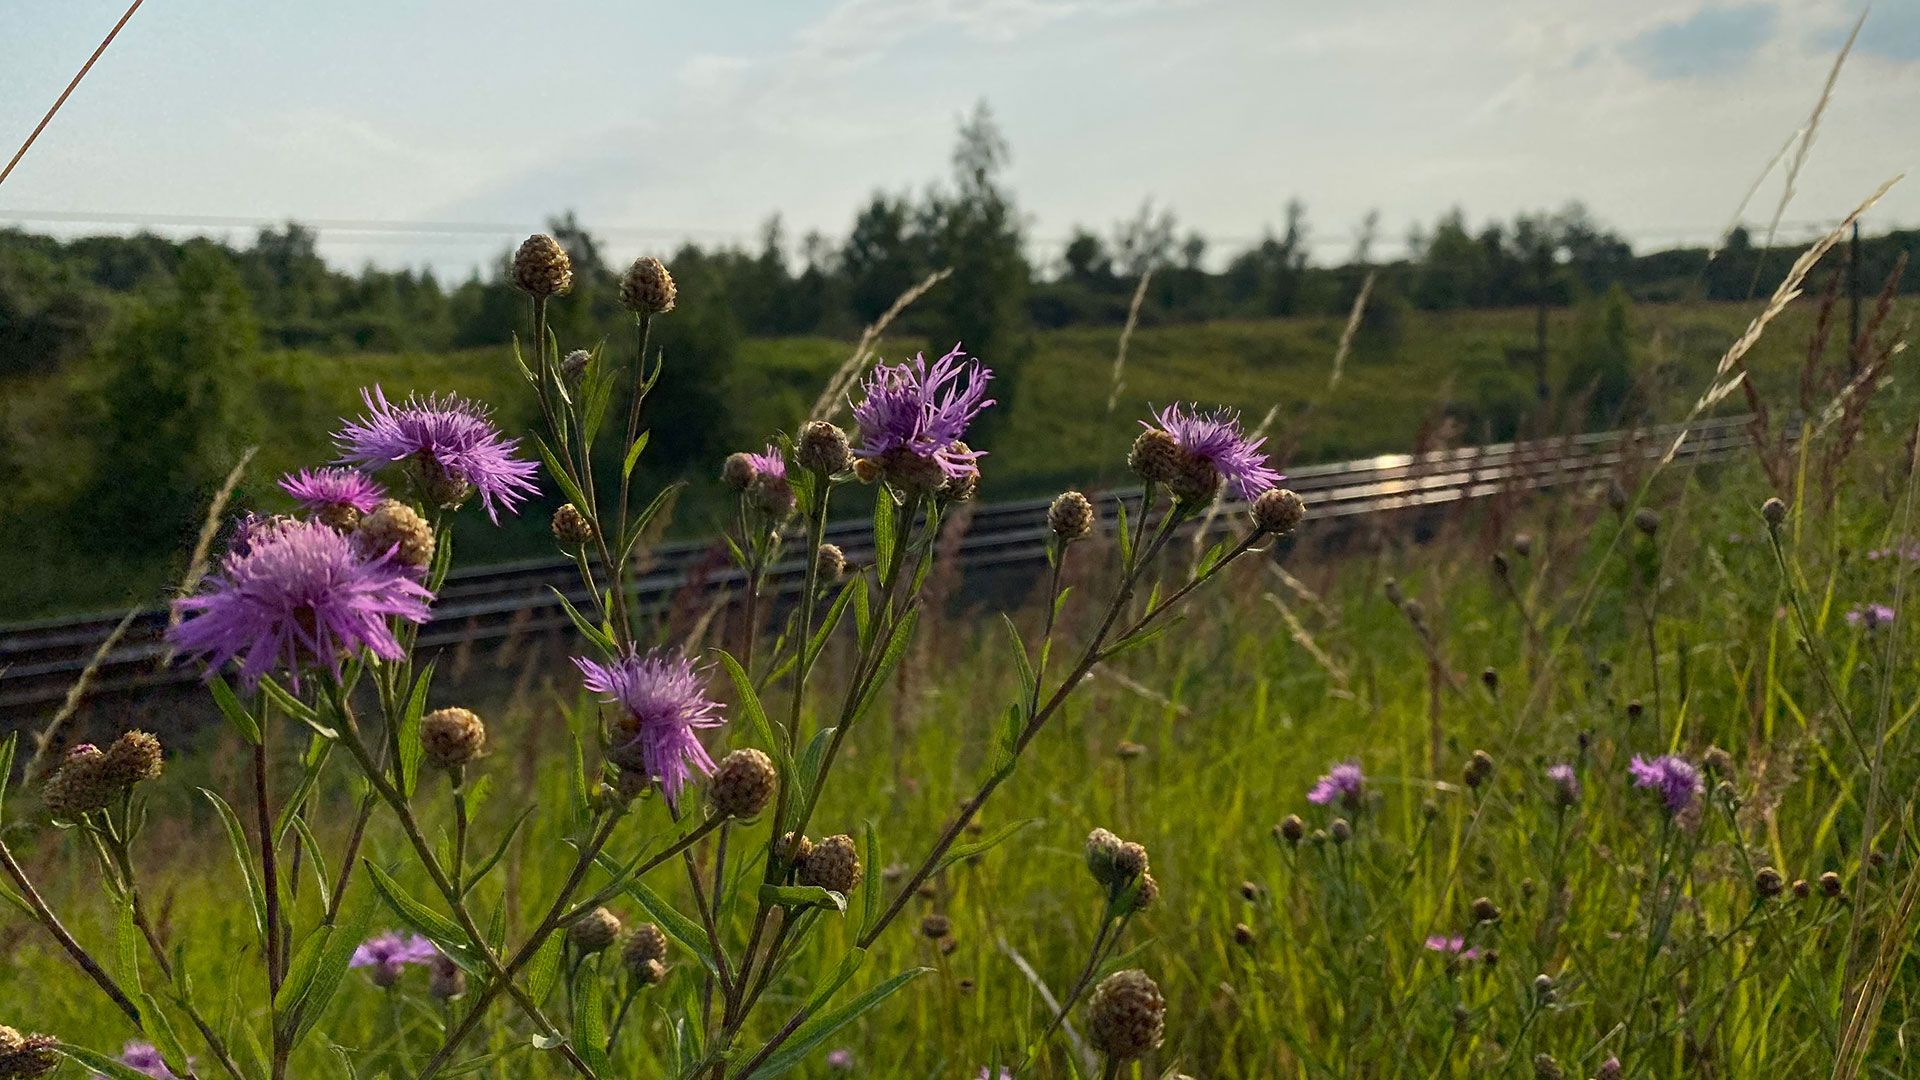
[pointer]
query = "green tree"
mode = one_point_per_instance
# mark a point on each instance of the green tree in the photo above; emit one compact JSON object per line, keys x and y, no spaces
{"x":1602,"y":365}
{"x":169,"y":408}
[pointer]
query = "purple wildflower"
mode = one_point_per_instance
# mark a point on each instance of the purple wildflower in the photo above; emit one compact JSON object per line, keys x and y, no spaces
{"x":453,"y":437}
{"x":923,"y":410}
{"x":664,"y":700}
{"x":1675,"y":777}
{"x":333,"y":488}
{"x":1455,"y":946}
{"x":986,"y":1073}
{"x":1344,"y":782}
{"x":840,"y":1059}
{"x":1870,"y":616}
{"x":1566,"y":783}
{"x":389,"y":953}
{"x":1216,"y":438}
{"x":252,"y":529}
{"x":143,"y":1058}
{"x":770,"y":463}
{"x":297,"y":595}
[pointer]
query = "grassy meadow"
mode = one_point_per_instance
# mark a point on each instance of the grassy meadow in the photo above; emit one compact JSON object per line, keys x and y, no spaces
{"x":1622,"y":930}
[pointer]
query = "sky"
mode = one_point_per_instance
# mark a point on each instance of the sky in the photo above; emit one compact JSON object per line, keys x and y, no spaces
{"x":437,"y":132}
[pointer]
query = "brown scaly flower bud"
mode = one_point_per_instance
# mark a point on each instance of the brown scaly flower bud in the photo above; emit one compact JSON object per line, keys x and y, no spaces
{"x":452,"y":737}
{"x":1491,"y":680}
{"x":1145,"y":894}
{"x":541,"y":267}
{"x":1768,"y":882}
{"x":594,"y":931}
{"x":798,"y":854}
{"x":1278,"y":511}
{"x":80,"y":785}
{"x":1500,"y":567}
{"x":771,"y":495}
{"x":1617,"y":497}
{"x":1830,"y":884}
{"x":394,"y":526}
{"x":339,"y":517}
{"x":1479,"y":769}
{"x":133,"y":757}
{"x":834,"y":864}
{"x":1130,"y":862}
{"x":574,"y":365}
{"x":1070,"y":517}
{"x":909,"y":471}
{"x":822,"y":447}
{"x":646,"y":945}
{"x":737,"y":472}
{"x":646,"y":288}
{"x":1634,"y":709}
{"x":445,"y":980}
{"x":1523,"y":545}
{"x":1774,"y":513}
{"x":935,"y":926}
{"x":1546,"y":1068}
{"x":1128,"y":750}
{"x":1717,"y":761}
{"x":960,"y":488}
{"x":442,"y":488}
{"x":1155,"y":457}
{"x":1609,"y":1070}
{"x":1249,"y":891}
{"x":1126,"y":1016}
{"x":1198,"y":480}
{"x":1801,"y":890}
{"x":1291,"y":829}
{"x":648,"y":972}
{"x":1647,"y":520}
{"x":571,"y":527}
{"x":1243,"y":935}
{"x":1543,"y":988}
{"x":1485,"y":910}
{"x":23,"y":1057}
{"x":1340,"y":830}
{"x":743,"y":783}
{"x":1103,"y":850}
{"x":829,"y":562}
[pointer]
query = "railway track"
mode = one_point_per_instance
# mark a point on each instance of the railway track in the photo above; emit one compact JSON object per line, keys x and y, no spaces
{"x":40,"y":660}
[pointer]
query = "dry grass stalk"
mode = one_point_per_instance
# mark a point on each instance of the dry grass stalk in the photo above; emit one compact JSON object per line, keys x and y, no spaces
{"x":1343,"y":687}
{"x":1139,"y":689}
{"x":1353,"y":327}
{"x":1126,"y":335}
{"x":1789,"y":289}
{"x":51,"y":744}
{"x":1870,"y":998}
{"x":1299,"y":588}
{"x":1753,"y":189}
{"x":1806,"y":136}
{"x":828,"y":403}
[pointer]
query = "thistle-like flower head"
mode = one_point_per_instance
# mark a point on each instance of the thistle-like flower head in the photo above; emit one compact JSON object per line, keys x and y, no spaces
{"x":664,"y":700}
{"x":388,"y":955}
{"x":1216,"y":439}
{"x":333,"y":488}
{"x":1454,"y":945}
{"x":298,"y":597}
{"x":454,"y":441}
{"x":1344,"y":782}
{"x":1675,"y":778}
{"x":923,"y":410}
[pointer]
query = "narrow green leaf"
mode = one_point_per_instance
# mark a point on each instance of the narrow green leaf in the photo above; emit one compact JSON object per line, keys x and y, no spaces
{"x":300,"y":973}
{"x":334,"y":962}
{"x":1006,"y":742}
{"x":897,"y":642}
{"x":1020,"y":660}
{"x":317,"y":757}
{"x":641,"y":523}
{"x":587,"y":630}
{"x":749,"y":702}
{"x":314,"y":852}
{"x":233,"y":710}
{"x":126,"y":940}
{"x":633,"y":453}
{"x":884,"y":513}
{"x":821,"y":1028}
{"x":870,"y":884}
{"x":237,"y":838}
{"x":807,"y":772}
{"x":803,"y":896}
{"x":832,"y":618}
{"x":98,"y":1062}
{"x":589,"y":1024}
{"x":439,"y":929}
{"x":17,"y":901}
{"x":159,"y":1028}
{"x":295,"y":708}
{"x":411,"y":748}
{"x":486,"y":865}
{"x":544,"y":969}
{"x":559,"y":475}
{"x":968,"y":851}
{"x":1124,"y":533}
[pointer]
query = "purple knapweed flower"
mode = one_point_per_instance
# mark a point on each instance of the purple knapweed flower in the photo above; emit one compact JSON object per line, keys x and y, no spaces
{"x":1344,"y":782}
{"x":923,"y":410}
{"x":987,"y":1073}
{"x":297,"y":596}
{"x":770,"y":463}
{"x":333,"y":489}
{"x":451,"y":437}
{"x":1454,"y":946}
{"x":388,"y":955}
{"x":144,"y":1059}
{"x":1216,"y":438}
{"x":664,"y":701}
{"x":1566,"y":783}
{"x":1870,"y":616}
{"x":1676,"y":778}
{"x":841,"y":1059}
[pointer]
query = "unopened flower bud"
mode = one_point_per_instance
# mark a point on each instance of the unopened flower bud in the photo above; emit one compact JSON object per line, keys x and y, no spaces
{"x":1830,"y":884}
{"x":1291,"y":829}
{"x":1801,"y":890}
{"x":397,"y":528}
{"x":1485,"y":910}
{"x":1340,"y":830}
{"x":737,"y":472}
{"x":571,"y":527}
{"x":646,"y":945}
{"x":452,"y":738}
{"x":1499,"y":561}
{"x":829,"y":562}
{"x":541,"y":267}
{"x":1717,"y":761}
{"x":1773,"y":512}
{"x":646,"y":288}
{"x":1546,"y":1068}
{"x":133,"y":757}
{"x":1131,"y":861}
{"x":1479,"y":769}
{"x":1243,"y":935}
{"x":1647,"y":520}
{"x":833,"y":864}
{"x":1146,"y":893}
{"x":1249,"y":891}
{"x":574,"y":365}
{"x":594,"y":931}
{"x":1768,"y":882}
{"x":1126,"y":1016}
{"x":1523,"y":545}
{"x":1197,"y":481}
{"x":1543,"y":988}
{"x":1609,"y":1070}
{"x":445,"y":980}
{"x":23,"y":1057}
{"x":935,"y":926}
{"x":1491,"y":680}
{"x":822,"y":447}
{"x":1070,"y":517}
{"x":80,"y":784}
{"x":1128,"y":750}
{"x":1278,"y":511}
{"x":1155,"y":457}
{"x":743,"y":783}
